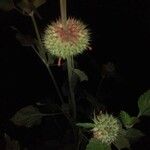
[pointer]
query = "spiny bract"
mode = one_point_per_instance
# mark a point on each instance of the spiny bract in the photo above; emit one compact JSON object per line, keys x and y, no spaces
{"x":65,"y":41}
{"x":106,"y":128}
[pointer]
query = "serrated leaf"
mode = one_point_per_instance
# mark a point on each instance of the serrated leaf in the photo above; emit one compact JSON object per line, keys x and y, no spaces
{"x":28,"y":117}
{"x":121,"y":142}
{"x":6,"y":5}
{"x":134,"y":134}
{"x":81,"y":75}
{"x":144,"y":104}
{"x":86,"y":125}
{"x":97,"y":145}
{"x":127,"y":120}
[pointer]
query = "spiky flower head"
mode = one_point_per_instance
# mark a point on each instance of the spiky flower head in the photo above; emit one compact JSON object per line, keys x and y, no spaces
{"x":106,"y":128}
{"x":66,"y":40}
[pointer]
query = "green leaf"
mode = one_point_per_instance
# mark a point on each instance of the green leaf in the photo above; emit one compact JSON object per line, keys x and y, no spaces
{"x":127,"y":120}
{"x":144,"y":104}
{"x":29,"y":6}
{"x":11,"y":144}
{"x":28,"y":117}
{"x":6,"y":5}
{"x":38,"y":3}
{"x":74,"y":82}
{"x":81,"y":74}
{"x":97,"y":145}
{"x":77,"y":76}
{"x":121,"y":142}
{"x":86,"y":125}
{"x":134,"y":134}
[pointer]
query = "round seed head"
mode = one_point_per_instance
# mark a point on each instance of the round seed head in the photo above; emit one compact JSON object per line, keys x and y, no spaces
{"x":106,"y":128}
{"x":66,"y":40}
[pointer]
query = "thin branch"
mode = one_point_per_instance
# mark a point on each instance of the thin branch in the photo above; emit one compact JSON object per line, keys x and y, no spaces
{"x":44,"y":60}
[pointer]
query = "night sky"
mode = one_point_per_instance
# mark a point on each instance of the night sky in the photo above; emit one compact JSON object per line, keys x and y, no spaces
{"x":120,"y":33}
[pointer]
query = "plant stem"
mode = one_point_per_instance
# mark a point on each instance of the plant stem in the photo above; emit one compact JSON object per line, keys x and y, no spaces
{"x":63,"y":10}
{"x":51,"y":75}
{"x":42,"y":56}
{"x":36,"y":29}
{"x":72,"y":102}
{"x":55,"y":84}
{"x":70,"y":64}
{"x":72,"y":61}
{"x":42,"y":50}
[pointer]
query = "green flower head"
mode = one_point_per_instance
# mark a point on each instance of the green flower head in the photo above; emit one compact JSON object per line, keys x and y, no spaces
{"x":106,"y":128}
{"x":66,"y":41}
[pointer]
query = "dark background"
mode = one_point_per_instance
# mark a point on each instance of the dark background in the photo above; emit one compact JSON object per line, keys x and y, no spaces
{"x":120,"y":31}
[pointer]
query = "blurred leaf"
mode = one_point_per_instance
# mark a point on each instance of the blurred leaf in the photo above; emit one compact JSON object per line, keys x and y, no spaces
{"x":74,"y":82}
{"x":50,"y":58}
{"x":144,"y":104}
{"x":108,"y":70}
{"x":77,"y":76}
{"x":134,"y":134}
{"x":81,"y":75}
{"x":121,"y":142}
{"x":97,"y":145}
{"x":11,"y":144}
{"x":40,"y":104}
{"x":6,"y":5}
{"x":86,"y":125}
{"x":25,"y":40}
{"x":38,"y":3}
{"x":127,"y":120}
{"x":65,"y":89}
{"x":66,"y":109}
{"x":29,"y":5}
{"x":94,"y":101}
{"x":28,"y":117}
{"x":26,"y":6}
